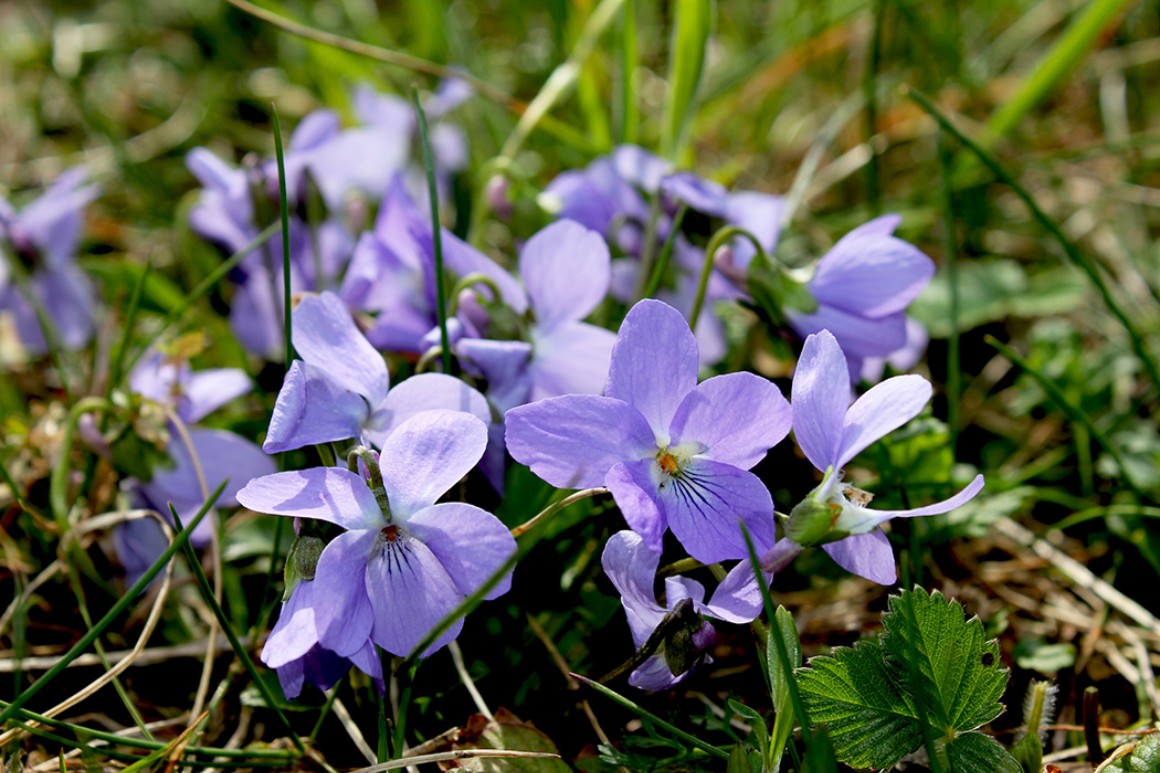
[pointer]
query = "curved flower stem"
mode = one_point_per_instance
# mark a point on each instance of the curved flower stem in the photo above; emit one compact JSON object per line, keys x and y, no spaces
{"x":469,"y":282}
{"x":556,"y":507}
{"x":376,"y":477}
{"x":428,"y":357}
{"x":719,"y":239}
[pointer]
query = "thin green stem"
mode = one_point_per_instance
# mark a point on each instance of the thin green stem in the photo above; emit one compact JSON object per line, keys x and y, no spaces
{"x":58,"y":481}
{"x":207,"y":595}
{"x":436,"y":234}
{"x":722,"y":237}
{"x":284,"y":212}
{"x":653,"y":718}
{"x":870,"y":94}
{"x":951,"y":247}
{"x":400,"y":731}
{"x":658,"y":272}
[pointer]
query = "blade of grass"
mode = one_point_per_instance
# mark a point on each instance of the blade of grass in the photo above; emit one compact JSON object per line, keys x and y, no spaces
{"x":284,"y":213}
{"x":436,"y":235}
{"x":122,"y":604}
{"x":870,"y":95}
{"x":692,"y":25}
{"x":629,"y":113}
{"x":951,"y":247}
{"x":472,"y":601}
{"x":1072,"y":252}
{"x":1085,"y":31}
{"x":644,"y":713}
{"x":795,"y":695}
{"x":239,"y":649}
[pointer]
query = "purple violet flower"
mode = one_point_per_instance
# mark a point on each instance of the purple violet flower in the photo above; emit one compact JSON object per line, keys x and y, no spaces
{"x":830,"y":433}
{"x":402,"y":565}
{"x":674,"y":454}
{"x":862,"y":286}
{"x":566,"y":272}
{"x":632,"y":566}
{"x":43,"y":237}
{"x":293,"y":651}
{"x":341,"y":388}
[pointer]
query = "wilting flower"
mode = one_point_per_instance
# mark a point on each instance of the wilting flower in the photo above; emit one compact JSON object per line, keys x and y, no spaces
{"x":340,"y":388}
{"x":404,"y":562}
{"x":830,"y":433}
{"x":632,"y":566}
{"x":674,"y":454}
{"x":42,"y":238}
{"x":862,"y":287}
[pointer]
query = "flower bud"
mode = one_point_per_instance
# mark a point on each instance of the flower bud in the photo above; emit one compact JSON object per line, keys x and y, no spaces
{"x":811,"y":521}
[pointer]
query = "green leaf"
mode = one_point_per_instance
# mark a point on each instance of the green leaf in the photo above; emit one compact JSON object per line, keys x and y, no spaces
{"x":756,"y":721}
{"x":507,"y":731}
{"x":820,"y":756}
{"x":1144,"y":757}
{"x":1038,"y":655}
{"x":691,"y":28}
{"x":856,"y":693}
{"x":954,"y":674}
{"x":977,"y":753}
{"x":783,"y":721}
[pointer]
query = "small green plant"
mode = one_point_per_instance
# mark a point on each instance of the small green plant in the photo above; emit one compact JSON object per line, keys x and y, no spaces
{"x":930,"y":679}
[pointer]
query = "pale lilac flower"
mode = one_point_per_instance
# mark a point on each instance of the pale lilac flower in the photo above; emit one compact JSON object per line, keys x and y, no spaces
{"x":862,"y":287}
{"x":674,"y":454}
{"x":340,"y":388}
{"x":632,"y":567}
{"x":830,"y":433}
{"x":566,"y":272}
{"x":43,"y":237}
{"x":392,"y":576}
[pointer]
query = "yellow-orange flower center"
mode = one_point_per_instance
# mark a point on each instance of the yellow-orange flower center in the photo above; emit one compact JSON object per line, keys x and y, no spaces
{"x":668,"y":463}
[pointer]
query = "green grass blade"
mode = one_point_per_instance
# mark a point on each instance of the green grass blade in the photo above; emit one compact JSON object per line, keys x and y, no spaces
{"x":239,"y":650}
{"x":644,"y":713}
{"x":1085,"y":31}
{"x":284,"y":213}
{"x":436,"y":235}
{"x":692,"y":25}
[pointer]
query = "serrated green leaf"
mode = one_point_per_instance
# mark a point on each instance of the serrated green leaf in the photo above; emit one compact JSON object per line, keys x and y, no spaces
{"x":856,"y":694}
{"x":1144,"y":758}
{"x":952,"y":671}
{"x":977,"y":753}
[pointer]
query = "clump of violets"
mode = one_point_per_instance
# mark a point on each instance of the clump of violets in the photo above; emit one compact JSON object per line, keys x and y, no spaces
{"x":403,"y":562}
{"x":38,"y":271}
{"x":674,"y":453}
{"x":830,"y":432}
